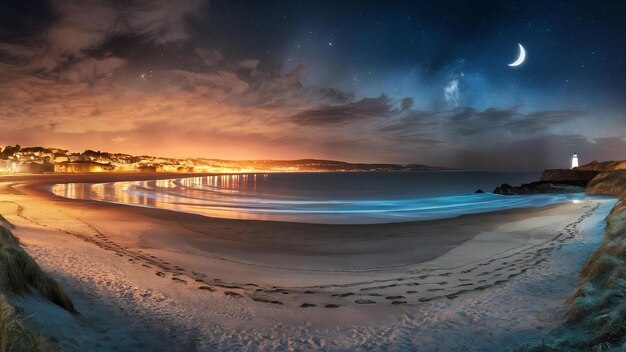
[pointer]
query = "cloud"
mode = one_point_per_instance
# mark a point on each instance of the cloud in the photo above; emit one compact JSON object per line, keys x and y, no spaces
{"x":333,"y":96}
{"x":540,"y":120}
{"x":248,"y":64}
{"x":90,"y":69}
{"x":81,"y":26}
{"x":366,"y":108}
{"x":451,"y":93}
{"x":161,"y":22}
{"x":209,"y":57}
{"x":469,"y":121}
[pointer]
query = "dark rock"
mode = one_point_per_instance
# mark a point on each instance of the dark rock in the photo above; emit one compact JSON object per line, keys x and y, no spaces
{"x":479,"y":191}
{"x":537,"y":188}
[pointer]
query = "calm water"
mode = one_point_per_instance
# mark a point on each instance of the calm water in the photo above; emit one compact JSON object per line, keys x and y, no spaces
{"x":342,"y":198}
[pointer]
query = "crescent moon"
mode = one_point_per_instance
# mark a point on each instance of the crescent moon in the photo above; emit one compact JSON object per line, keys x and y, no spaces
{"x":520,"y":59}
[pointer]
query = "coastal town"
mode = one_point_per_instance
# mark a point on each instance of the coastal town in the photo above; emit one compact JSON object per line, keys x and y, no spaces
{"x":17,"y":159}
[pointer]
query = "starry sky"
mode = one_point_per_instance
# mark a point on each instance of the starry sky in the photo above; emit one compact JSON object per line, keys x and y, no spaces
{"x":364,"y":81}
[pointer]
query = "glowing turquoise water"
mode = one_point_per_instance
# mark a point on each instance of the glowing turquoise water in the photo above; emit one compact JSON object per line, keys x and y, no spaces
{"x":341,"y":198}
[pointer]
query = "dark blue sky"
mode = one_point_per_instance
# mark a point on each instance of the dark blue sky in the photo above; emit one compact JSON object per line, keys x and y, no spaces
{"x":575,"y":49}
{"x":414,"y":81}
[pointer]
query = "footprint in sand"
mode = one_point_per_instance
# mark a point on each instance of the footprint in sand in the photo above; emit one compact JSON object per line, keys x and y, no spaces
{"x":232,"y":294}
{"x":398,"y":302}
{"x":264,"y":300}
{"x":307,"y":305}
{"x":180,"y":281}
{"x":342,"y":294}
{"x":394,"y":297}
{"x":228,"y":286}
{"x":332,"y":306}
{"x":206,"y":288}
{"x":160,"y":274}
{"x":364,"y":301}
{"x":462,"y":285}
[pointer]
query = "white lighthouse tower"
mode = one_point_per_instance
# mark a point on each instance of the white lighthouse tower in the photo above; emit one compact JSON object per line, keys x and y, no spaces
{"x":574,"y":160}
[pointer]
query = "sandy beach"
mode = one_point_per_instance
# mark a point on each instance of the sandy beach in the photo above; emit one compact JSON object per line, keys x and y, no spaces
{"x":151,"y":279}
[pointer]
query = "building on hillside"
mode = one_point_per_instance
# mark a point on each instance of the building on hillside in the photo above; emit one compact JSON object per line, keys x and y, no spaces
{"x":82,"y":166}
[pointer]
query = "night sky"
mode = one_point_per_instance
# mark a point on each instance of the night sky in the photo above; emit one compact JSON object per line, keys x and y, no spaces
{"x":366,"y":81}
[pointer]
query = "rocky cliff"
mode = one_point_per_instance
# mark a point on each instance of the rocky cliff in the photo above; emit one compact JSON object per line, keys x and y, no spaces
{"x":567,"y":176}
{"x":603,"y":166}
{"x":579,"y":176}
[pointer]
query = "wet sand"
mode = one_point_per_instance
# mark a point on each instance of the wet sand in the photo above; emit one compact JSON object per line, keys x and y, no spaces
{"x":215,"y":283}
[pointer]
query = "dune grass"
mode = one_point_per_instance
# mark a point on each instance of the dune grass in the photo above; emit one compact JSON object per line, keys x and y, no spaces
{"x":596,"y":316}
{"x":19,"y":275}
{"x":14,"y":336}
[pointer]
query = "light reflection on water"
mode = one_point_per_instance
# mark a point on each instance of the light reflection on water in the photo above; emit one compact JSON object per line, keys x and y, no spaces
{"x":321,"y":198}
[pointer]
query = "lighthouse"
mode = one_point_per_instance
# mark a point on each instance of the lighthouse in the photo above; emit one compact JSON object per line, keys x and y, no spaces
{"x":574,"y":160}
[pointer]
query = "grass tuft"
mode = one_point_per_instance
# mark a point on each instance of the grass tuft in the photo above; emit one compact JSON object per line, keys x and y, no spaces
{"x":14,"y":336}
{"x":20,"y":273}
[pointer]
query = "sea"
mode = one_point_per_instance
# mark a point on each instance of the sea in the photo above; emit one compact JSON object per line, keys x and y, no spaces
{"x":329,"y":198}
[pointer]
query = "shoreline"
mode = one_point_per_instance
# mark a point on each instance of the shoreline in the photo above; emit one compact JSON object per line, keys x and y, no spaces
{"x":440,"y":260}
{"x":43,"y":184}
